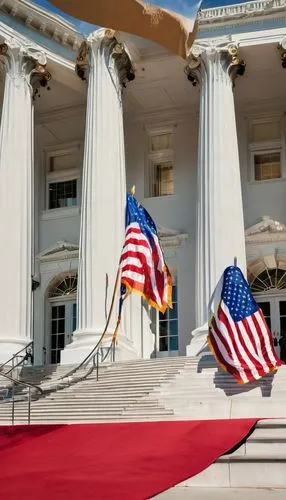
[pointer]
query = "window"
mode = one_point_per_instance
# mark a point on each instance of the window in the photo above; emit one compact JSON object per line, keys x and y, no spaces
{"x":63,"y":194}
{"x":160,"y":175}
{"x":63,"y":324}
{"x":65,"y":285}
{"x":163,"y":179}
{"x":74,"y":317}
{"x":270,"y":279}
{"x":267,"y":165}
{"x":168,"y":326}
{"x":62,"y":302}
{"x":274,"y":311}
{"x":57,"y":332}
{"x":266,"y":149}
{"x":62,"y":176}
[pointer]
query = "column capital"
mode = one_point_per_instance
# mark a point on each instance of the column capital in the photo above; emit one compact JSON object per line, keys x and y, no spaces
{"x":282,"y":50}
{"x":205,"y":53}
{"x":23,"y":60}
{"x":115,"y":53}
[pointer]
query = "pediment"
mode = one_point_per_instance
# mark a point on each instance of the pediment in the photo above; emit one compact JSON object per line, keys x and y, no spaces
{"x":165,"y":231}
{"x":266,"y":231}
{"x":62,"y":249}
{"x":171,"y":237}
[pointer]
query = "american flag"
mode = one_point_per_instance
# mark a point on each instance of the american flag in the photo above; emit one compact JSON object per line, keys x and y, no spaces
{"x":143,"y":267}
{"x":238,"y":333}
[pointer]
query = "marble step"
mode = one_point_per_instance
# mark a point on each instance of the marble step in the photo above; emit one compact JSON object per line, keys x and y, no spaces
{"x":258,"y":463}
{"x":209,"y":493}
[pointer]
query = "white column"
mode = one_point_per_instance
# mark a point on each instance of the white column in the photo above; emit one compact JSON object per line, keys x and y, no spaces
{"x":23,"y":64}
{"x":220,"y":225}
{"x":103,"y":194}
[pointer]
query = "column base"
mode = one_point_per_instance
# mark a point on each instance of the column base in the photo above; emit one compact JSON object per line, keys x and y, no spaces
{"x":10,"y":346}
{"x":85,"y":341}
{"x":198,"y":344}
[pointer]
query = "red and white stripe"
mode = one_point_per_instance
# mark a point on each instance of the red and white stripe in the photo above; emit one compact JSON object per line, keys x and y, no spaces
{"x":143,"y":267}
{"x":244,"y":348}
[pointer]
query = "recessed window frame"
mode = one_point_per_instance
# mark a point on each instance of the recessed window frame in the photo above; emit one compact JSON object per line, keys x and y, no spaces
{"x":157,"y":158}
{"x":68,"y":174}
{"x":265,"y":147}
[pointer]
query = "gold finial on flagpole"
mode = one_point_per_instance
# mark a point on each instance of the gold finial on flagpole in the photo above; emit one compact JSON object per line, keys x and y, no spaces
{"x":132,"y":191}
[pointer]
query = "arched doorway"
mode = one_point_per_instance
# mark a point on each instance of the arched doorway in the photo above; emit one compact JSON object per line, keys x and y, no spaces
{"x":268,"y":286}
{"x":62,"y":314}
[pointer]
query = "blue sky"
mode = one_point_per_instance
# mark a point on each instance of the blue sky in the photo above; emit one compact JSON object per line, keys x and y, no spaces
{"x":181,"y":4}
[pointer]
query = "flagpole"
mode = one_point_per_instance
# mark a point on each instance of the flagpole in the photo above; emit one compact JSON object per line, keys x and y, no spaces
{"x":116,"y":330}
{"x":115,"y":333}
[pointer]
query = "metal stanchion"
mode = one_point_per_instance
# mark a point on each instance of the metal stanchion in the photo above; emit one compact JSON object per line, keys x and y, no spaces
{"x":97,"y":363}
{"x":13,"y":405}
{"x":29,"y":405}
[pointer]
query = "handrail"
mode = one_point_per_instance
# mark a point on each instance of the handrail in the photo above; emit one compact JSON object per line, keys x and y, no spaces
{"x":15,"y":356}
{"x":25,"y":384}
{"x":22,"y":382}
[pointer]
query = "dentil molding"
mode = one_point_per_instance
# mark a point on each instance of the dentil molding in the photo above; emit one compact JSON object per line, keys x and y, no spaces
{"x":241,"y":11}
{"x":42,"y":20}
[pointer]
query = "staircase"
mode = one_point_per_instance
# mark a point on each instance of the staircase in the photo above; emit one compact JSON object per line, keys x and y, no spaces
{"x":121,"y":393}
{"x":170,"y":388}
{"x":258,"y":463}
{"x":180,"y":387}
{"x":201,"y":390}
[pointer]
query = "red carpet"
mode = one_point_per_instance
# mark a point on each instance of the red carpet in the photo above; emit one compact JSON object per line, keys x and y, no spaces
{"x":130,"y":461}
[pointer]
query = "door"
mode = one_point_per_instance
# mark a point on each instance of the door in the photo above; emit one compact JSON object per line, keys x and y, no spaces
{"x":166,"y":328}
{"x":63,"y":323}
{"x":274,"y":310}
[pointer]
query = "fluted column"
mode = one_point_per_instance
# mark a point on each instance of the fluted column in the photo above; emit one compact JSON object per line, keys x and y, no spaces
{"x":24,"y":67}
{"x":220,"y":227}
{"x":104,"y":63}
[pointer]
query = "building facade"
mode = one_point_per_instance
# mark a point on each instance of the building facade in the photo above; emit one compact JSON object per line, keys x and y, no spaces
{"x":202,"y":140}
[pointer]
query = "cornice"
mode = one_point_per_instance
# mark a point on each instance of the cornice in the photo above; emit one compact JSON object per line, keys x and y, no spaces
{"x":246,"y":10}
{"x":65,"y":33}
{"x":40,"y":19}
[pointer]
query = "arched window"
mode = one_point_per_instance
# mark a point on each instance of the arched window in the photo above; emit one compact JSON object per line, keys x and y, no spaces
{"x":270,"y":279}
{"x":65,"y":285}
{"x":62,"y":306}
